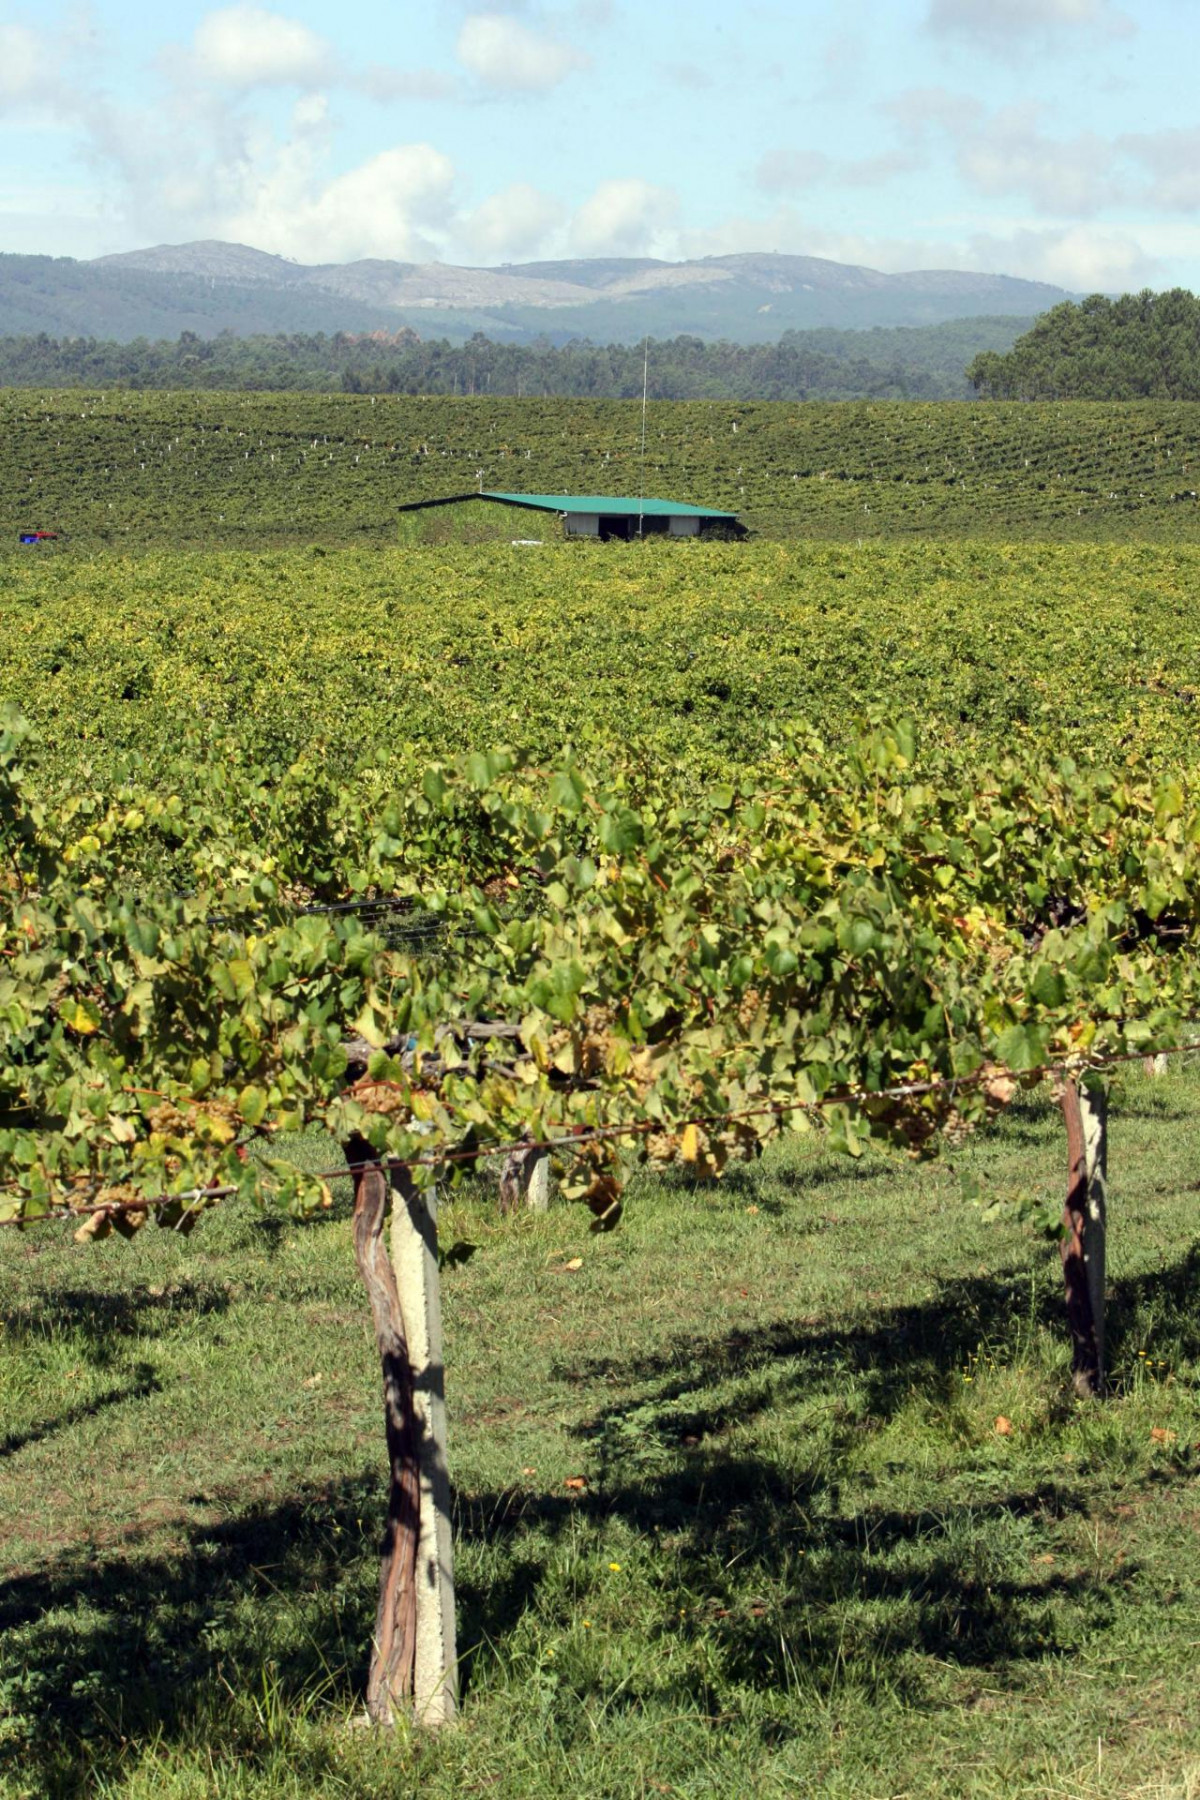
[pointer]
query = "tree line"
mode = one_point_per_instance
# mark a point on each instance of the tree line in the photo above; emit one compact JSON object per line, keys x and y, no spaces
{"x":1139,"y":347}
{"x":916,"y":363}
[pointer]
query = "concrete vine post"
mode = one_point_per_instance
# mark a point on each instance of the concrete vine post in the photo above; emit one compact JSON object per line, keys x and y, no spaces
{"x":1085,"y":1113}
{"x":537,"y":1182}
{"x":418,"y":1281}
{"x":525,"y":1177}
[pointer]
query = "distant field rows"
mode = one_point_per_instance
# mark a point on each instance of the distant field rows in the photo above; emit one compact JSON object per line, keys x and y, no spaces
{"x":238,"y":468}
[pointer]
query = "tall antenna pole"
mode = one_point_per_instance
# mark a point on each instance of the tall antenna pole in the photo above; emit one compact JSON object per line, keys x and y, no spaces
{"x":642,"y":475}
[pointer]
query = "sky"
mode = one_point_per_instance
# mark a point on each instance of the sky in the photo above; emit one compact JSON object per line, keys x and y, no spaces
{"x":1053,"y":139}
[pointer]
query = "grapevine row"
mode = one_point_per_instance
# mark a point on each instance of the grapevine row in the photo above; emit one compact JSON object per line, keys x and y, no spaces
{"x":832,"y":922}
{"x":889,"y":940}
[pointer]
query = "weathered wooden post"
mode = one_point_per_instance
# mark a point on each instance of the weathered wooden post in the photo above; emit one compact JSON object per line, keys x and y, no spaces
{"x":1085,"y":1112}
{"x":413,"y":1655}
{"x":1154,"y":1065}
{"x":418,"y":1282}
{"x":390,"y":1681}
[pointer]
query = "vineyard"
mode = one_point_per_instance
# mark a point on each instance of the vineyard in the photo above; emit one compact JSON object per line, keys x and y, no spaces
{"x":701,"y":654}
{"x":341,"y":889}
{"x":167,"y":468}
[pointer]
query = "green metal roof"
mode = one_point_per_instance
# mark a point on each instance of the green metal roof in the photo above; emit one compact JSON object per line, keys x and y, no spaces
{"x":609,"y":504}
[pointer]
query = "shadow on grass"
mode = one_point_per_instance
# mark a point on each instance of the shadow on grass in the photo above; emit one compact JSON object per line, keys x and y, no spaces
{"x":101,"y":1654}
{"x":784,"y":1581}
{"x":874,"y":1586}
{"x":100,"y":1315}
{"x":1160,"y":1306}
{"x":889,"y":1352}
{"x":742,"y":1181}
{"x":144,"y":1382}
{"x":138,"y":1643}
{"x":837,"y":1171}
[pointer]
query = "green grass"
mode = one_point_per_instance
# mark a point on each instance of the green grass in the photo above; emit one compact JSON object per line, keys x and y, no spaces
{"x":834,"y":1576}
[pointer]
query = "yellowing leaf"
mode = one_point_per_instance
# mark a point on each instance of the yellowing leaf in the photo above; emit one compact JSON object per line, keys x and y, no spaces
{"x":214,"y":1128}
{"x":252,"y":1104}
{"x":369,"y":1025}
{"x":82,"y":1016}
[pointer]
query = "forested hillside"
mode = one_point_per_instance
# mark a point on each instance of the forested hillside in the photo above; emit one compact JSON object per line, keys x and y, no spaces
{"x":56,"y":294}
{"x":1141,"y":347}
{"x":749,"y":298}
{"x":919,"y":362}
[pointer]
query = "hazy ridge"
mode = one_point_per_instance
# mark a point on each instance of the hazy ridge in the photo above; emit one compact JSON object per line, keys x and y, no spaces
{"x":209,"y":287}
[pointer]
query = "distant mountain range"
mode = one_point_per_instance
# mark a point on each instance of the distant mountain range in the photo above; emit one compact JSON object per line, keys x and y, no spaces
{"x":210,"y":287}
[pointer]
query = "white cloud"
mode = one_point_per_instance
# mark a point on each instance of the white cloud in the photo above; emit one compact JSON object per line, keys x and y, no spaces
{"x":246,"y":46}
{"x":794,"y":171}
{"x":624,"y":218}
{"x":511,"y":224}
{"x":386,"y":84}
{"x":1010,"y":154}
{"x":386,"y":207}
{"x":22,"y":62}
{"x":507,"y":55}
{"x":208,"y":168}
{"x":1169,"y":241}
{"x":1086,"y":259}
{"x":1172,"y":158}
{"x":1009,"y":25}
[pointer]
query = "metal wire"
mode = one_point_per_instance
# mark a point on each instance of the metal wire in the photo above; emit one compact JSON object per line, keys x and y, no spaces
{"x":581,"y":1136}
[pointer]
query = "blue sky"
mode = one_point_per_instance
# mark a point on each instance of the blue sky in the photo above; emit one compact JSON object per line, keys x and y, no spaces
{"x":1056,"y":139}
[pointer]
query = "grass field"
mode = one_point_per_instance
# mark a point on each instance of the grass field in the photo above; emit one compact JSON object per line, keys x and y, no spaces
{"x":805,"y":1560}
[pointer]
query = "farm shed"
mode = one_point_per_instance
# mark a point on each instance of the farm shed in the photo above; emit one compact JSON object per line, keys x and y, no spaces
{"x":595,"y":515}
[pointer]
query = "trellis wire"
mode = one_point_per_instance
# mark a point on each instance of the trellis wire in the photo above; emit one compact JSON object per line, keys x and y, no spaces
{"x":593,"y":1134}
